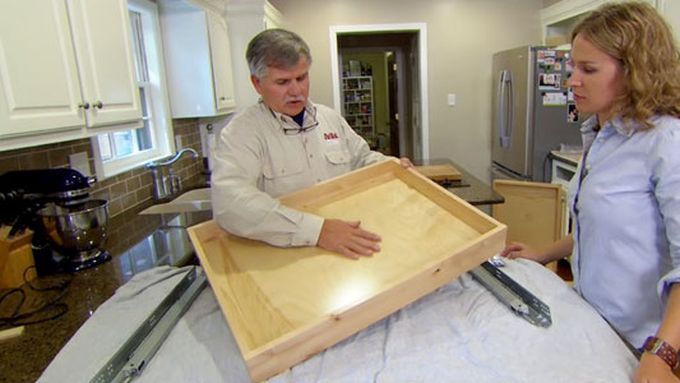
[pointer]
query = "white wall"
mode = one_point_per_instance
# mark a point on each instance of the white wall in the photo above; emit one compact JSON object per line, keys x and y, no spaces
{"x":462,"y":36}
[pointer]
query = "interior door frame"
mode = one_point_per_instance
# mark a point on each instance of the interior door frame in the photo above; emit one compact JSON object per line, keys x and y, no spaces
{"x":421,"y":30}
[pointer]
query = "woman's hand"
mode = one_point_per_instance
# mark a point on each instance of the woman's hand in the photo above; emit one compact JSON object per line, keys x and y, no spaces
{"x":653,"y":370}
{"x":558,"y":250}
{"x":521,"y":250}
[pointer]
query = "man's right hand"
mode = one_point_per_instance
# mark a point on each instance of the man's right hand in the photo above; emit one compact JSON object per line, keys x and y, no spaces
{"x":348,"y":239}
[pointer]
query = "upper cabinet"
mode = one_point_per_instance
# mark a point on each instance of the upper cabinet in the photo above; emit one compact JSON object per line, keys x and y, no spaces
{"x":247,"y":18}
{"x":101,"y":33}
{"x":197,"y":58}
{"x":559,"y":19}
{"x":65,"y":67}
{"x":220,"y":52}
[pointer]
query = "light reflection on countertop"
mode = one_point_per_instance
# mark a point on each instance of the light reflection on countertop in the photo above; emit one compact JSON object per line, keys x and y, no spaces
{"x":168,"y":245}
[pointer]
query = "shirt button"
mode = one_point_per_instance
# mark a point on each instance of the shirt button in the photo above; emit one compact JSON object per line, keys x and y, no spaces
{"x":318,"y":180}
{"x":311,"y":156}
{"x":283,"y":171}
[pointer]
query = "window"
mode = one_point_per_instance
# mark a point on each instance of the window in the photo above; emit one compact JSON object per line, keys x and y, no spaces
{"x":119,"y":151}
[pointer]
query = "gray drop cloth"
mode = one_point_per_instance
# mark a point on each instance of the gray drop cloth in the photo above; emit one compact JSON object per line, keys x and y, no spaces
{"x":200,"y":348}
{"x":459,"y":333}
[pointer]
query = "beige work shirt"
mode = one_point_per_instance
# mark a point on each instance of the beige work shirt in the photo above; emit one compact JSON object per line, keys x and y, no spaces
{"x":261,"y":155}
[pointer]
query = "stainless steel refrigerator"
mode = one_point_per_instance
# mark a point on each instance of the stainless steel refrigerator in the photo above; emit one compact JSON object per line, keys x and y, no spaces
{"x":533,"y":112}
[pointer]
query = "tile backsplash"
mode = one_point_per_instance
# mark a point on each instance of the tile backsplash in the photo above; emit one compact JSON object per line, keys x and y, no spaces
{"x":130,"y":190}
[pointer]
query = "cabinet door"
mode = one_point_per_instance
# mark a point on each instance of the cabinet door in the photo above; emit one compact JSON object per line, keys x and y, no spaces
{"x":39,"y":88}
{"x":102,"y":39}
{"x":220,"y":52}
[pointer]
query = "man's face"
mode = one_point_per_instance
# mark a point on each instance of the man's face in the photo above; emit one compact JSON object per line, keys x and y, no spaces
{"x":285,"y":90}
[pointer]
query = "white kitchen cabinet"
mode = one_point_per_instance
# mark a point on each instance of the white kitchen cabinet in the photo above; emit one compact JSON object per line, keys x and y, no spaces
{"x":198,"y":60}
{"x":65,"y":68}
{"x":101,"y":32}
{"x":221,"y":56}
{"x":559,"y":19}
{"x":247,"y":18}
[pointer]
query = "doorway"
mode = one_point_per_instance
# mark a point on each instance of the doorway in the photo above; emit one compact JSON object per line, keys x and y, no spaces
{"x":379,"y":84}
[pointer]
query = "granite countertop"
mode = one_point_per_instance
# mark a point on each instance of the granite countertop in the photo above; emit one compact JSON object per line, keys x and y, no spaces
{"x":136,"y":243}
{"x":469,"y":188}
{"x":570,"y":157}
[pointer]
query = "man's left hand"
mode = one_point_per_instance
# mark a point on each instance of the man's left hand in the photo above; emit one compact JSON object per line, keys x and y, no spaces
{"x":406,"y":163}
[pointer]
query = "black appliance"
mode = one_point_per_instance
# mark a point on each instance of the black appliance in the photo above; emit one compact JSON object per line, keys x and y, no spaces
{"x":69,"y":227}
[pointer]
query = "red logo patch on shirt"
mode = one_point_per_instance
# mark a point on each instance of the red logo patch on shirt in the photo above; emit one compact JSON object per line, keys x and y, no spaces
{"x":330,"y":136}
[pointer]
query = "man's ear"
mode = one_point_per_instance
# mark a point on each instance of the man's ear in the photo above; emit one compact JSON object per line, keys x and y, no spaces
{"x":256,"y":84}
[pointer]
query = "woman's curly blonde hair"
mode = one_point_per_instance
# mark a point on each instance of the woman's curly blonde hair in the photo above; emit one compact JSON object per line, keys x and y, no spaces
{"x":636,"y":35}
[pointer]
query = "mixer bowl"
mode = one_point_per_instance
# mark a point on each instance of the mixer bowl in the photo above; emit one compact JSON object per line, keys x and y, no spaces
{"x":77,"y":232}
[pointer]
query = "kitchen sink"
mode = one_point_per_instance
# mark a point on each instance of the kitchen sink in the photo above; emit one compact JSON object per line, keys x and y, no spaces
{"x":193,"y":200}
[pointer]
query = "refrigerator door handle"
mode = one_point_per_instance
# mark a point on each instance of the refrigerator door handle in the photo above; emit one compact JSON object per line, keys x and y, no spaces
{"x":505,"y":108}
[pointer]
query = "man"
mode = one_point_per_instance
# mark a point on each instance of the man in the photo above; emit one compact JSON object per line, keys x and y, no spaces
{"x":283,"y":144}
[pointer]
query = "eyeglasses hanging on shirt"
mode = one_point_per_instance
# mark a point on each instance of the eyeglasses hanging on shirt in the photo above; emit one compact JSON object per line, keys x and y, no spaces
{"x":300,"y":129}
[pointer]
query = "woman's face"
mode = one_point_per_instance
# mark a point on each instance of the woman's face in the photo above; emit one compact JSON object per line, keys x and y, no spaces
{"x":597,"y":79}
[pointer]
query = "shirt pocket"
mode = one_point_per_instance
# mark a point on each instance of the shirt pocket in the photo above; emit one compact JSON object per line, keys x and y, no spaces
{"x":337,"y":157}
{"x":283,"y":176}
{"x":338,"y":162}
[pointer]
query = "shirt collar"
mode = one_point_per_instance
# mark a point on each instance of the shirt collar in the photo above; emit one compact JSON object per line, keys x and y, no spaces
{"x":621,"y":126}
{"x":589,"y":125}
{"x":625,"y":128}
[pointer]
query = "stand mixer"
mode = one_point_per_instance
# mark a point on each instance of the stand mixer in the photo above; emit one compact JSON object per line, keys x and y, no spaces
{"x":69,"y":227}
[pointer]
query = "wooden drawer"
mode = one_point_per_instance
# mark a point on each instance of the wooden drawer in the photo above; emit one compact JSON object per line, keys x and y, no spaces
{"x":285,"y":305}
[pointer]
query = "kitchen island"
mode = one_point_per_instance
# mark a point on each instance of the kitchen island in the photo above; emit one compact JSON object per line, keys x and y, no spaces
{"x":458,"y":333}
{"x":138,"y":243}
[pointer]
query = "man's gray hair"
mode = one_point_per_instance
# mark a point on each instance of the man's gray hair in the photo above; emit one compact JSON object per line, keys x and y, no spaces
{"x":278,"y":48}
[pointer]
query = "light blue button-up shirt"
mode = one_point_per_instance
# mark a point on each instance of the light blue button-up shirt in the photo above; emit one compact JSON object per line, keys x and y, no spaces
{"x":625,"y":199}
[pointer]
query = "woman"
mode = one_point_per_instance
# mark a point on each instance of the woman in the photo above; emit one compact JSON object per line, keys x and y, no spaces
{"x":625,"y":198}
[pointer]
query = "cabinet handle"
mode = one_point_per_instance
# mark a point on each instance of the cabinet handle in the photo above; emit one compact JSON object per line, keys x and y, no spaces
{"x":84,"y":105}
{"x":98,"y":104}
{"x":222,"y":98}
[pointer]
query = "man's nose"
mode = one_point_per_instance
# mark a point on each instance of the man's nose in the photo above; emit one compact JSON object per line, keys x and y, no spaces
{"x":294,"y":88}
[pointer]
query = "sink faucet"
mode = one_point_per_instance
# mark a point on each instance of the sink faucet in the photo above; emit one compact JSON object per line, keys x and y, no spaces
{"x":165,"y":186}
